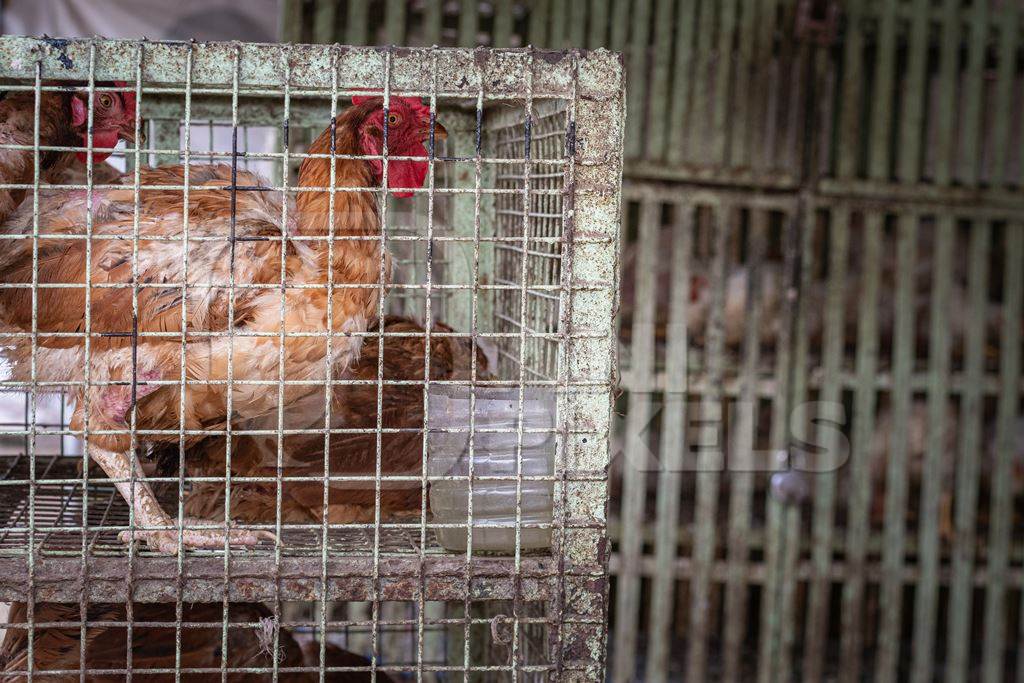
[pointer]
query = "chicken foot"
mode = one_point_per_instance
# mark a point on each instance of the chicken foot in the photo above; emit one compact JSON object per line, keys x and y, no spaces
{"x":153,"y":525}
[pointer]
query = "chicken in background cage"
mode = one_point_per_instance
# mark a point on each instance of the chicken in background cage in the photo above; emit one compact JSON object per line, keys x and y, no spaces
{"x":237,"y":482}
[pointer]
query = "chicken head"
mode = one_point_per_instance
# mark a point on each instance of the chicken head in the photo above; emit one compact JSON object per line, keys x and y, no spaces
{"x":113,"y":120}
{"x":408,"y":124}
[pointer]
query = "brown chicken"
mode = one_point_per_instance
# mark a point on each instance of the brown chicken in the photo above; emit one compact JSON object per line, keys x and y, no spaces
{"x":250,"y":644}
{"x":229,"y":277}
{"x":63,"y":122}
{"x":352,"y":454}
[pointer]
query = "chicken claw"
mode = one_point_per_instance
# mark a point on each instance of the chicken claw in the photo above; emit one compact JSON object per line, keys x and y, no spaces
{"x":154,"y":526}
{"x":197,"y":533}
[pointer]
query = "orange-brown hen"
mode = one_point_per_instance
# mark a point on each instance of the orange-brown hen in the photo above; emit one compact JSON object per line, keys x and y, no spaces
{"x":227,"y":273}
{"x":350,"y":454}
{"x":63,"y":122}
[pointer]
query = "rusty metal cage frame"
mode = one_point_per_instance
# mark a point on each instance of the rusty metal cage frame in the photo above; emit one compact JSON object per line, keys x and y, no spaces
{"x":182,"y":81}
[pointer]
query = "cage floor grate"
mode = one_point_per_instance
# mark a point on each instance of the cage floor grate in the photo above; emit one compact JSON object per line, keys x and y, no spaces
{"x":60,"y":507}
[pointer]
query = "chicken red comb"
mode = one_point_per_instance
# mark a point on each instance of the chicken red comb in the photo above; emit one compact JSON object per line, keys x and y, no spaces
{"x":414,"y":103}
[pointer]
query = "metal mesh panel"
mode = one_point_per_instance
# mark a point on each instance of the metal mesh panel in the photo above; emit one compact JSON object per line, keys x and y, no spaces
{"x":352,"y":535}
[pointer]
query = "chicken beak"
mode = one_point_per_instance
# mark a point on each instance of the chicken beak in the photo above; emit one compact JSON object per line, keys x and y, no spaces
{"x":440,"y":132}
{"x":127,"y":133}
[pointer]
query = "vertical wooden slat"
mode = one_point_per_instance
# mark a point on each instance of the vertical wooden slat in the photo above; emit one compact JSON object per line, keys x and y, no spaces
{"x":945,"y":122}
{"x":891,"y":601}
{"x":768,"y":84}
{"x":793,"y":58}
{"x":577,"y":36}
{"x":539,"y":23}
{"x":926,"y":592}
{"x":777,"y":526}
{"x":468,"y":23}
{"x":634,"y":476}
{"x":289,"y":29}
{"x":787,"y":592}
{"x":860,"y":475}
{"x":710,"y":457}
{"x":356,"y":24}
{"x":741,"y":462}
{"x":770,"y":614}
{"x":765,"y":69}
{"x":394,"y":23}
{"x":503,"y":23}
{"x":798,"y":397}
{"x":432,"y":22}
{"x":697,"y":135}
{"x":637,"y":64}
{"x":912,"y":116}
{"x":853,"y":84}
{"x":597,"y":36}
{"x":662,"y":57}
{"x":974,"y":76}
{"x":1004,"y":112}
{"x":673,"y":441}
{"x":994,"y":641}
{"x":825,"y":480}
{"x":620,"y":25}
{"x":558,"y":23}
{"x":741,"y":125}
{"x":682,"y":75}
{"x":958,"y":638}
{"x":882,"y":97}
{"x":325,"y":21}
{"x":723,"y":74}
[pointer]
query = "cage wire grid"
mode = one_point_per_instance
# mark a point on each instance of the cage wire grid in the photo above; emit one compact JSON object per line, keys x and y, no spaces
{"x":551,"y":321}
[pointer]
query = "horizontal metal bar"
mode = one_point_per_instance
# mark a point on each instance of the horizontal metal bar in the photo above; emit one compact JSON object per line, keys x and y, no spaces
{"x":458,"y":72}
{"x":255,"y":578}
{"x":766,"y":385}
{"x":756,"y":572}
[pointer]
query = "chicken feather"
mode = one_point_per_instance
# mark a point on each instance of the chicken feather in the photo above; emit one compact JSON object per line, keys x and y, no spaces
{"x":350,"y":454}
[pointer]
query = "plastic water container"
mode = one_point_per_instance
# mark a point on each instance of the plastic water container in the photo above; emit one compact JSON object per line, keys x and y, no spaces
{"x":495,"y":448}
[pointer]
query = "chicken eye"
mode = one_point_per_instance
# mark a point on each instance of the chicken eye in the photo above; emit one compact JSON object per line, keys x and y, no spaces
{"x":394,"y":119}
{"x":105,"y":100}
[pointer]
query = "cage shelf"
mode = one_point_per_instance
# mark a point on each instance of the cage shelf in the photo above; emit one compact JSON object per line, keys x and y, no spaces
{"x":110,"y":571}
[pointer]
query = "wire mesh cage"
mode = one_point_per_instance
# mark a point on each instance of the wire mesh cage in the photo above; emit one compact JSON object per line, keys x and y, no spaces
{"x":222,"y":367}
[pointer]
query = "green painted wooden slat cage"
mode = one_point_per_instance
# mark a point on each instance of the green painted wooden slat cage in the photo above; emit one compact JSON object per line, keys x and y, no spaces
{"x":824,"y":204}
